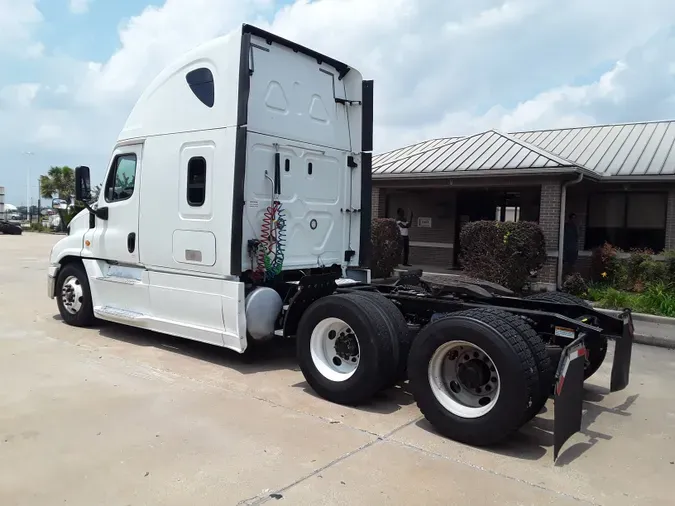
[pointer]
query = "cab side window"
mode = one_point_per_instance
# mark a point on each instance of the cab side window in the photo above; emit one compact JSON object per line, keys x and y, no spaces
{"x":122,"y":178}
{"x":196,"y":181}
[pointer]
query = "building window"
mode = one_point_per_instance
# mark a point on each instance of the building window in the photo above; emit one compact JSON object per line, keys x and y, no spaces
{"x":122,"y":178}
{"x":507,"y":213}
{"x":201,"y":83}
{"x":627,"y":220}
{"x":196,"y":181}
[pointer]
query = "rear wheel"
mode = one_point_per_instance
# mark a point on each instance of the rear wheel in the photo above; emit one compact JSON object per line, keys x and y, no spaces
{"x":397,"y":325}
{"x":596,"y":346}
{"x":346,"y":350}
{"x":545,"y":368}
{"x":560,"y":298}
{"x":473,"y":376}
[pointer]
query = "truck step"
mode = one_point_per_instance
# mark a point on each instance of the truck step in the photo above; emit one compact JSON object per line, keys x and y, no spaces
{"x":117,"y":313}
{"x":118,"y":279}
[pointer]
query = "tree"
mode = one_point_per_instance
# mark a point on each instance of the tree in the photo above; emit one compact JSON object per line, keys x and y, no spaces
{"x":59,"y":181}
{"x":95,"y":192}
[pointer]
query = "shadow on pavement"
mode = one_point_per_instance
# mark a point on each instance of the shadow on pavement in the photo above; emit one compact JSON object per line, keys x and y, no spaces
{"x":385,"y":402}
{"x":275,"y":355}
{"x":534,"y":440}
{"x":531,"y":442}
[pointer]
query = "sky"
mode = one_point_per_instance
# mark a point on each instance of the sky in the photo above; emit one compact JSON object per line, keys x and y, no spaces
{"x":73,"y":69}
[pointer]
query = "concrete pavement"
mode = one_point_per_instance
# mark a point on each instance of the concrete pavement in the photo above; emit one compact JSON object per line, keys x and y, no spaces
{"x":652,"y":330}
{"x":119,"y":416}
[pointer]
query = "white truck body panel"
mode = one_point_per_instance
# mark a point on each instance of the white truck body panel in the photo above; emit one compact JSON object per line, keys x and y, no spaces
{"x":189,"y":181}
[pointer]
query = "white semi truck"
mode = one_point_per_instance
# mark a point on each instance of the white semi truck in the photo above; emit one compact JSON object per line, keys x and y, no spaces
{"x":236,"y":209}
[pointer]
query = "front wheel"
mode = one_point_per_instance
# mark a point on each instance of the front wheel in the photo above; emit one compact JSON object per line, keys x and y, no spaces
{"x":73,"y":296}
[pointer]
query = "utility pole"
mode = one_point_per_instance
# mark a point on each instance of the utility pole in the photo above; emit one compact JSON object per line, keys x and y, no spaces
{"x":28,"y":199}
{"x":39,"y":201}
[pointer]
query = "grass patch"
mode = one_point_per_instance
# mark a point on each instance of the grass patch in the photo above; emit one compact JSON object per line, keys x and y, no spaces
{"x":657,"y":299}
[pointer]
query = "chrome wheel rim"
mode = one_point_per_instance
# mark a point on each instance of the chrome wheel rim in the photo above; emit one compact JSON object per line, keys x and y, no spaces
{"x":464,"y":379}
{"x":72,"y":295}
{"x":335,"y":349}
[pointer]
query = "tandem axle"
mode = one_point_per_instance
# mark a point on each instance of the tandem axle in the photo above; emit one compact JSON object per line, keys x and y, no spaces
{"x":481,"y":362}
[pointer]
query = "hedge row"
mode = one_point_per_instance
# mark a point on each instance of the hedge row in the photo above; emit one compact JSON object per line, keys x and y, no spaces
{"x":507,"y":253}
{"x":386,"y":247}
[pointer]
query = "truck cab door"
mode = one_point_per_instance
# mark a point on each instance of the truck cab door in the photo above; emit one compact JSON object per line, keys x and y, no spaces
{"x":116,"y":277}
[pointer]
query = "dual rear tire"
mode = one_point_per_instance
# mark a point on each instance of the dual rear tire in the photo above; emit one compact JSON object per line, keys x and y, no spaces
{"x":476,"y":375}
{"x":348,"y":347}
{"x":596,"y":346}
{"x":479,"y":375}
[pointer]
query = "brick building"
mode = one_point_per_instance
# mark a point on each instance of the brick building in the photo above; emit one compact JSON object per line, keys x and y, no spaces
{"x":619,"y":180}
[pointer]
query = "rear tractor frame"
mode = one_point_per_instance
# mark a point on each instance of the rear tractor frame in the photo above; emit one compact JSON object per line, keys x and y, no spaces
{"x":481,"y":362}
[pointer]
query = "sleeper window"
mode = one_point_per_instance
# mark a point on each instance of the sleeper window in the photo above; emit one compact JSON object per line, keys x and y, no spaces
{"x":196,"y":181}
{"x":201,"y":83}
{"x":122,"y":179}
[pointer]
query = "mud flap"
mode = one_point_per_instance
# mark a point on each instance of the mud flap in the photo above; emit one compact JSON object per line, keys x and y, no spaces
{"x":622,"y":354}
{"x":569,"y":394}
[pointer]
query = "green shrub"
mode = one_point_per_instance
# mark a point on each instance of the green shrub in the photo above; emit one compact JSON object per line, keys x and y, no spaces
{"x":38,"y":227}
{"x":386,"y":247}
{"x":507,"y":253}
{"x":654,"y":271}
{"x":669,"y":263}
{"x":605,"y":266}
{"x":636,"y":269}
{"x":575,"y":284}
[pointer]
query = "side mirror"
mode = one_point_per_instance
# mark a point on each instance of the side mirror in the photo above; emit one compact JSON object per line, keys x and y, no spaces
{"x":82,"y":184}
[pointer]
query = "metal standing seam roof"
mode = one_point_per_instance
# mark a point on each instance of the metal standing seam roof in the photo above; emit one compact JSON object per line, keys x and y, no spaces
{"x":489,"y":150}
{"x":623,"y":150}
{"x":413,"y":149}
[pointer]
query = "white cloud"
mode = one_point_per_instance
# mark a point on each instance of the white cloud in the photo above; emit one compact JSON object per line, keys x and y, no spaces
{"x":79,"y":6}
{"x":441,"y":67}
{"x":156,"y":37}
{"x":18,"y":22}
{"x":18,"y":96}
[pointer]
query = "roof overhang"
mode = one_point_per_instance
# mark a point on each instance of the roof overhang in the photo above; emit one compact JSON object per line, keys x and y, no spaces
{"x":484,"y":174}
{"x":656,"y":178}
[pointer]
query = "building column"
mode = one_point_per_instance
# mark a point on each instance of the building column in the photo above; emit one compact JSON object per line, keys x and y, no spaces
{"x":375,"y":203}
{"x":549,"y":221}
{"x":378,"y":202}
{"x":670,"y":221}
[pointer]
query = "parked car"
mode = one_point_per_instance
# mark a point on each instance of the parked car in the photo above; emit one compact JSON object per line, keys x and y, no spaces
{"x":9,"y":228}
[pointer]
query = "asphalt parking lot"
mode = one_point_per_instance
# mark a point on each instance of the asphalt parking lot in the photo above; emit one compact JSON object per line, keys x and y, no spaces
{"x":119,"y":416}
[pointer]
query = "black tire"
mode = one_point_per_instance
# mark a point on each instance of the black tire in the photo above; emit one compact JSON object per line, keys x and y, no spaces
{"x":545,"y":368}
{"x":560,"y":298}
{"x":378,"y":349}
{"x":512,"y":358}
{"x":84,"y":317}
{"x":398,"y":326}
{"x":596,"y":346}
